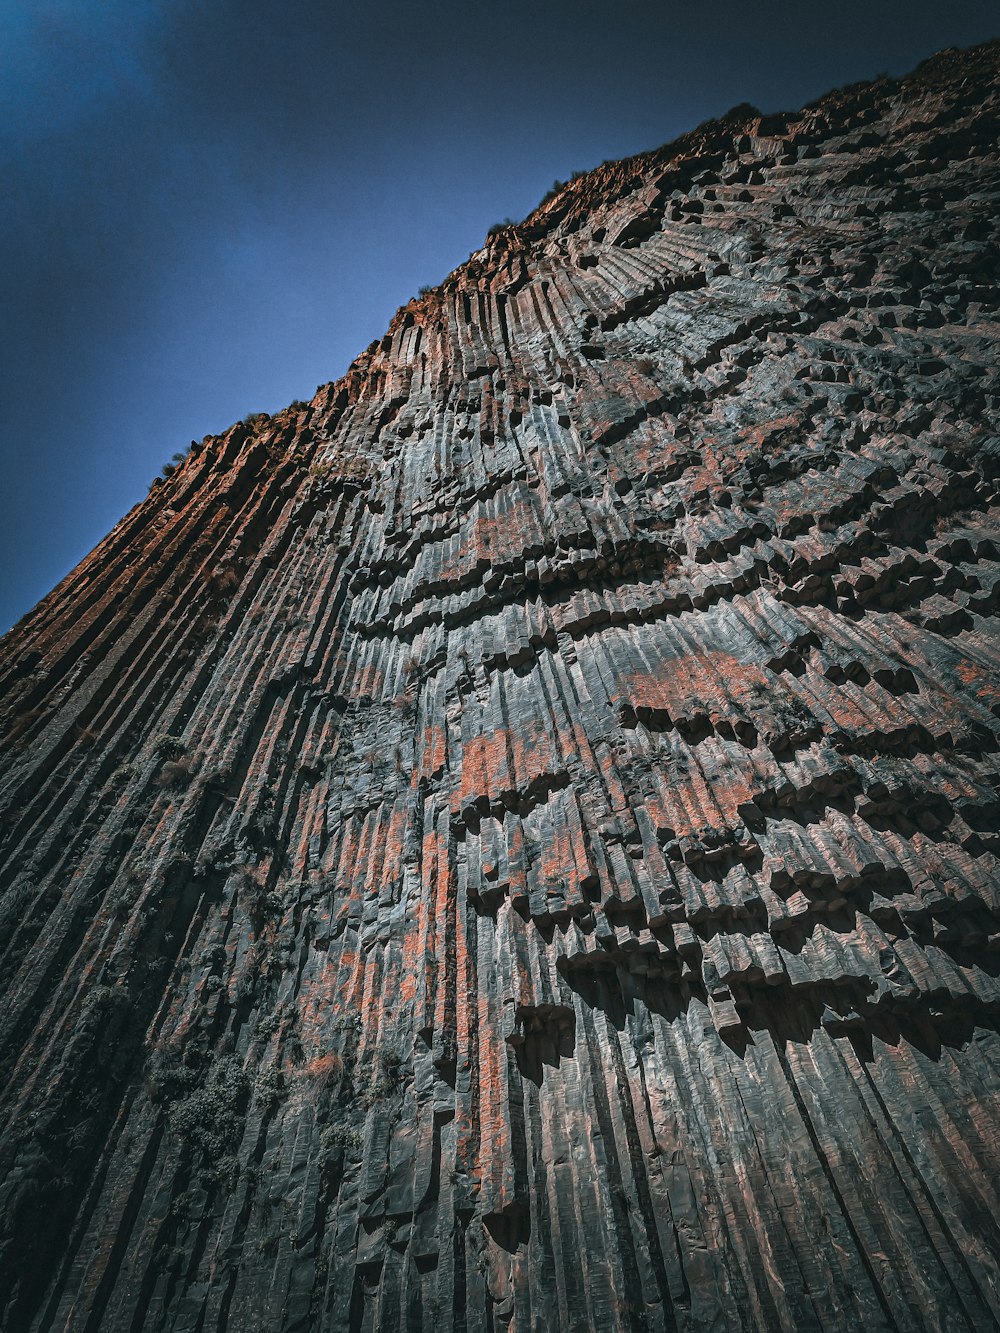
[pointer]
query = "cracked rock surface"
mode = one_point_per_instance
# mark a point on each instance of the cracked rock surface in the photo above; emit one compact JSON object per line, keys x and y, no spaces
{"x":512,"y":843}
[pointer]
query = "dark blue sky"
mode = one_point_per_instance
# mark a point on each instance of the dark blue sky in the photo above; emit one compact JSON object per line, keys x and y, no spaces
{"x":210,"y":207}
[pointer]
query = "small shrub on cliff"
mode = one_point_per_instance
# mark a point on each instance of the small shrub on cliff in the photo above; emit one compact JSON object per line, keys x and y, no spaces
{"x":210,"y":1118}
{"x":117,"y":904}
{"x":338,"y":1139}
{"x":325,"y":1073}
{"x":169,"y":1076}
{"x":166,"y":746}
{"x":390,"y":1065}
{"x":103,"y":1004}
{"x":224,"y":580}
{"x":175,"y":773}
{"x":335,"y":1142}
{"x":270,"y":1087}
{"x":267,"y":1025}
{"x":350,"y":1138}
{"x":22,"y":723}
{"x":177,"y":459}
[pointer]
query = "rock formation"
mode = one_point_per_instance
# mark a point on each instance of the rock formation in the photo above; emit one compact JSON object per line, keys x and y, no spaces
{"x":512,"y":843}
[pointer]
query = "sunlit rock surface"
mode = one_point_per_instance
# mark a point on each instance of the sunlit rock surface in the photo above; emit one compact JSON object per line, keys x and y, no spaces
{"x":512,"y":844}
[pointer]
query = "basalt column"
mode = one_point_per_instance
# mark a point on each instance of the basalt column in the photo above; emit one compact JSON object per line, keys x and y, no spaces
{"x":512,"y":843}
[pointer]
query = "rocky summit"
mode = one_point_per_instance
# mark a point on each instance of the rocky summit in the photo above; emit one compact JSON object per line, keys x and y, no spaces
{"x":512,"y":844}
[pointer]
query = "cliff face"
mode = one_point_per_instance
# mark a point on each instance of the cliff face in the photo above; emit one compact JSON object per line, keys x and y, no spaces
{"x":513,"y":842}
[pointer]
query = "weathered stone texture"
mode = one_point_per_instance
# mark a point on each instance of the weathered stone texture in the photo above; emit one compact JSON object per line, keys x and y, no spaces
{"x":513,"y":842}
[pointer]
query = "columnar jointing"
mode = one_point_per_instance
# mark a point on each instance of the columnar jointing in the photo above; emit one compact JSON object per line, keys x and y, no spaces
{"x":512,"y":844}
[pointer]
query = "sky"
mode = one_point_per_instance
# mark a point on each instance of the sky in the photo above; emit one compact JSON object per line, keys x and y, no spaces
{"x":209,"y":207}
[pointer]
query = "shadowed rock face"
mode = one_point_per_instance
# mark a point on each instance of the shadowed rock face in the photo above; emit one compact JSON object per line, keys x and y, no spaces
{"x":513,"y":843}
